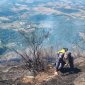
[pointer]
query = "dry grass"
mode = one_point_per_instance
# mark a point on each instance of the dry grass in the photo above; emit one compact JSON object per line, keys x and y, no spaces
{"x":39,"y":79}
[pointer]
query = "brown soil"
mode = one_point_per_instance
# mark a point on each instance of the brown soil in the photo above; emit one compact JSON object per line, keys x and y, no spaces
{"x":66,"y":77}
{"x":48,"y":78}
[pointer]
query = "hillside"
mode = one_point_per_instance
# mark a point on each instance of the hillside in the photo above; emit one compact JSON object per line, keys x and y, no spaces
{"x":32,"y":32}
{"x":21,"y":76}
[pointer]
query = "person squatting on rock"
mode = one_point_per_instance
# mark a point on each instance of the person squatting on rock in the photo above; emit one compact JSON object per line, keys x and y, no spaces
{"x":64,"y":57}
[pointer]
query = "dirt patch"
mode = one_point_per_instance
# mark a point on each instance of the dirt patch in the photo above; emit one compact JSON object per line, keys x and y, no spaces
{"x":39,"y":79}
{"x":80,"y":80}
{"x":48,"y":78}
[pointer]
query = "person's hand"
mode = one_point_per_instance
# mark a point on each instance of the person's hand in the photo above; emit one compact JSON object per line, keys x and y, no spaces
{"x":56,"y":73}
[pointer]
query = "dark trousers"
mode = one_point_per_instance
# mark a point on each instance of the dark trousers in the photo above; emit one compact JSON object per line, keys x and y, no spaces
{"x":71,"y":62}
{"x":60,"y":64}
